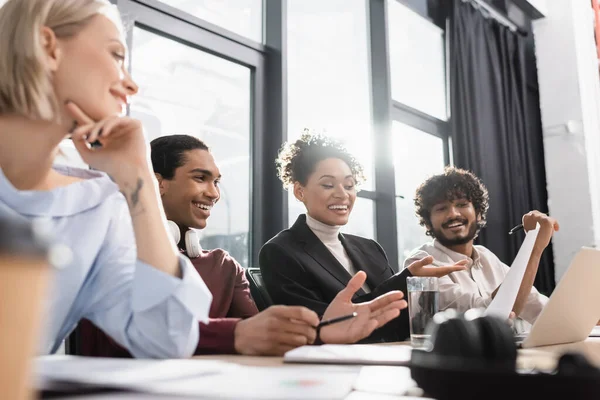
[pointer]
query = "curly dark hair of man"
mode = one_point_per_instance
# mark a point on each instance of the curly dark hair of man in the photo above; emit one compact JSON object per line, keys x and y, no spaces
{"x":297,"y":160}
{"x":454,"y":183}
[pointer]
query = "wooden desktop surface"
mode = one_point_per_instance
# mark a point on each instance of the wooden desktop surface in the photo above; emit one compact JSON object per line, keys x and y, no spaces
{"x":546,"y":357}
{"x":542,"y":358}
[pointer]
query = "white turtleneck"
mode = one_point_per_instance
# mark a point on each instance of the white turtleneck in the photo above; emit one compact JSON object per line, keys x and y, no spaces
{"x":329,"y":236}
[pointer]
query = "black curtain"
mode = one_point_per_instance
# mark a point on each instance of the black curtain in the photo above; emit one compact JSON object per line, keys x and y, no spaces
{"x":496,"y":127}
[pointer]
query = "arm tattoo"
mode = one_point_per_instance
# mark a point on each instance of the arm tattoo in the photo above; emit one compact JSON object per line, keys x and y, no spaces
{"x":135,"y":196}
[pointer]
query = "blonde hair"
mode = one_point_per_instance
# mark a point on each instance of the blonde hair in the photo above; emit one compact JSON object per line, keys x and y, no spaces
{"x":25,"y":83}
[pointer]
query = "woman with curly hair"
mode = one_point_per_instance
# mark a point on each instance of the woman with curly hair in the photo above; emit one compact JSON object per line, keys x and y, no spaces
{"x":453,"y":207}
{"x":312,"y":261}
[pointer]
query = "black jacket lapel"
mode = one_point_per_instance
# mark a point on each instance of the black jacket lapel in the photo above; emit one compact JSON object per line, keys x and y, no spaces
{"x":361,"y":263}
{"x":319,"y":252}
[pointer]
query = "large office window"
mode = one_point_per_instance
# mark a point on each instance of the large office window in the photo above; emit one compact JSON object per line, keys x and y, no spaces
{"x":243,"y":17}
{"x":420,"y":132}
{"x":203,"y":70}
{"x":188,"y":91}
{"x":417,"y":62}
{"x":329,"y":86}
{"x":418,"y":155}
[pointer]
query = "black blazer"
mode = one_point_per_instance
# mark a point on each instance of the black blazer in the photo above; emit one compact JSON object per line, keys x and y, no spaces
{"x":298,"y":269}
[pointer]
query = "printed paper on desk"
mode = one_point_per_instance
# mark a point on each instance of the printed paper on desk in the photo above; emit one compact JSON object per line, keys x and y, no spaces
{"x":389,"y":380}
{"x":371,"y":396}
{"x":361,"y":354}
{"x":505,"y":298}
{"x":121,"y":373}
{"x":265,"y":383}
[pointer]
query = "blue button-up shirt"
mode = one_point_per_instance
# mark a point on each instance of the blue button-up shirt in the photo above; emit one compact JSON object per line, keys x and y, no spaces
{"x":151,"y":313}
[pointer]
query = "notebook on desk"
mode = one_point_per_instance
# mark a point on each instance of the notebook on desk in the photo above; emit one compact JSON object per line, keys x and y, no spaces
{"x":359,"y":354}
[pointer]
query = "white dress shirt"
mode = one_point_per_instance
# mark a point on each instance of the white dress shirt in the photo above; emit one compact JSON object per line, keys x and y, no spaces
{"x":147,"y":311}
{"x":473,"y":287}
{"x":330,"y":237}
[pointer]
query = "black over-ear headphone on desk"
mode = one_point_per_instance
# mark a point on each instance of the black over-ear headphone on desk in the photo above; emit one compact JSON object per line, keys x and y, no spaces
{"x":474,"y":357}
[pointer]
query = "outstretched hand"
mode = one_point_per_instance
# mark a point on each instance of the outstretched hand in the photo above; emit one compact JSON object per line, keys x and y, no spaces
{"x":371,"y":315}
{"x":423,"y":267}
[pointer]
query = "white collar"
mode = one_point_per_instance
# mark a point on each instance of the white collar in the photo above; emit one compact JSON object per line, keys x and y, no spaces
{"x":326,"y":233}
{"x":63,"y":201}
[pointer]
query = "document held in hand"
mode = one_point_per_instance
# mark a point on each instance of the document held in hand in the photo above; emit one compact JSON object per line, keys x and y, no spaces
{"x":505,"y":298}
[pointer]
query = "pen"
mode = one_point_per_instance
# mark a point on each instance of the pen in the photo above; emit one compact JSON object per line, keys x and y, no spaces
{"x":336,"y":320}
{"x":516,"y":229}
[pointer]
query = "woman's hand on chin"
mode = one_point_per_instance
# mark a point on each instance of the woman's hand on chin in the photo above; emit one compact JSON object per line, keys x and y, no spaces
{"x":114,"y":145}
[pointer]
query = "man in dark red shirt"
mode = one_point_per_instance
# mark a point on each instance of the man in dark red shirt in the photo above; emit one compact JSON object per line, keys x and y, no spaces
{"x":188,"y":179}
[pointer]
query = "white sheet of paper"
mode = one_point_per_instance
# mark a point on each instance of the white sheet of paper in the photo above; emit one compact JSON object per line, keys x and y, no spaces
{"x":505,"y":298}
{"x":371,"y":396}
{"x":385,"y":380}
{"x":595,"y":332}
{"x":132,"y":374}
{"x":350,"y":354}
{"x":279,"y":383}
{"x":199,"y":378}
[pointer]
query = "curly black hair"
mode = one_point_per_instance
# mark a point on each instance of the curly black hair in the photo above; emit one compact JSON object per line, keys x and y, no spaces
{"x":297,"y":160}
{"x":454,"y":183}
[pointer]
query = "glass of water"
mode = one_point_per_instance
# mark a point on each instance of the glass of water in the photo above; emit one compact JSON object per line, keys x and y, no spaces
{"x":423,"y":294}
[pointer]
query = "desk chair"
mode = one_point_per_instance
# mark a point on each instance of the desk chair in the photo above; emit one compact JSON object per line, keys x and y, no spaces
{"x":73,"y":342}
{"x":257,"y":289}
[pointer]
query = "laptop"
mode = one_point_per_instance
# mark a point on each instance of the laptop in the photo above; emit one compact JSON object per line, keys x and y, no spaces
{"x":574,"y":307}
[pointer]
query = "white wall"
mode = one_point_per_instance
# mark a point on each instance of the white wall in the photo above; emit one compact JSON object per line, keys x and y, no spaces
{"x":541,"y":5}
{"x":570,"y":98}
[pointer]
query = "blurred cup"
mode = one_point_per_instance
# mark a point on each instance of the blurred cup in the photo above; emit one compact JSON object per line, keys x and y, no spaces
{"x":423,"y":295}
{"x":24,"y":275}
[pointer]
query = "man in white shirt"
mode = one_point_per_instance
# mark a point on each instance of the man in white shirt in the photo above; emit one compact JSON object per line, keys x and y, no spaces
{"x":452,"y":207}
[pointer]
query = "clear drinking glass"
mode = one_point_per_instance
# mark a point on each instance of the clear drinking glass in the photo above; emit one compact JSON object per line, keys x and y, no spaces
{"x":423,"y":295}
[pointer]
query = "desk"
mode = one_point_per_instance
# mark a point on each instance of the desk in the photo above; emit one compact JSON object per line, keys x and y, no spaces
{"x":542,"y":358}
{"x":545,"y":358}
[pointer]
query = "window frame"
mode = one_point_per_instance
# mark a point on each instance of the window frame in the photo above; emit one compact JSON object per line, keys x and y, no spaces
{"x":265,"y":122}
{"x":268,"y":61}
{"x":385,"y":110}
{"x":199,"y":22}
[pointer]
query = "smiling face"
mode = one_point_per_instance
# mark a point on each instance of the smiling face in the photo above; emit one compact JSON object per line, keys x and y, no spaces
{"x":189,"y":197}
{"x":329,"y":193}
{"x":89,"y":68}
{"x":454,"y":222}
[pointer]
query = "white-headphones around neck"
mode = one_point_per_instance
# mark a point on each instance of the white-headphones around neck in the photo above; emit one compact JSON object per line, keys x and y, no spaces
{"x":192,"y":241}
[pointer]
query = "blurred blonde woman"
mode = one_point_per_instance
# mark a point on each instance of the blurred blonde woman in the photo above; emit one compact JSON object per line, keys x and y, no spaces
{"x":62,"y":72}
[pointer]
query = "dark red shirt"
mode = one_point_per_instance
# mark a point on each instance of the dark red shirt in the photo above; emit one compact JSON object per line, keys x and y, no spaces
{"x":231,"y":302}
